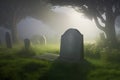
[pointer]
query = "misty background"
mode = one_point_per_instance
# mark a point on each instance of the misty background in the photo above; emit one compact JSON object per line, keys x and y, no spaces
{"x":56,"y":25}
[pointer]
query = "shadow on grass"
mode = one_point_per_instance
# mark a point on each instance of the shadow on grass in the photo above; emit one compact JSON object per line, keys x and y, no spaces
{"x":68,"y":71}
{"x":26,"y":53}
{"x":13,"y":54}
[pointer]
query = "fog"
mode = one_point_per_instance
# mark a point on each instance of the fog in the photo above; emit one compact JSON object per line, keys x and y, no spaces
{"x":56,"y":26}
{"x":30,"y":27}
{"x":79,"y":21}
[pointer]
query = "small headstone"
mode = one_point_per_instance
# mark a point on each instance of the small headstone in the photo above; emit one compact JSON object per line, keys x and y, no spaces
{"x":102,"y":36}
{"x":27,"y":43}
{"x":38,"y":39}
{"x":71,"y":48}
{"x":0,"y":43}
{"x":8,"y":40}
{"x":42,"y":40}
{"x":103,"y":41}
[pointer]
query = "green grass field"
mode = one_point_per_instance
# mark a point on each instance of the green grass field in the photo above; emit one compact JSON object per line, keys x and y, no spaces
{"x":19,"y":64}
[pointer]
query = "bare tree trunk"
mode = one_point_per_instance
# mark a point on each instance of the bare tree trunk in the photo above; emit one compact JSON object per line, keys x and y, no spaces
{"x":14,"y":26}
{"x":110,"y":29}
{"x":14,"y":33}
{"x":111,"y":36}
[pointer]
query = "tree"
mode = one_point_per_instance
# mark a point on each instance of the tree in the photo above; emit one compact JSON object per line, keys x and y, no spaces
{"x":10,"y":14}
{"x":105,"y":11}
{"x":12,"y":11}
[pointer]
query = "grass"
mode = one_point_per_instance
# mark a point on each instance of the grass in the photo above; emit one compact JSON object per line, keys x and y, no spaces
{"x":51,"y":48}
{"x":19,"y":64}
{"x":22,"y":69}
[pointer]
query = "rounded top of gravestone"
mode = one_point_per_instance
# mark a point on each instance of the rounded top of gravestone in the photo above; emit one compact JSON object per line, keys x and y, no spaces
{"x":7,"y":33}
{"x":72,"y":31}
{"x":26,"y":39}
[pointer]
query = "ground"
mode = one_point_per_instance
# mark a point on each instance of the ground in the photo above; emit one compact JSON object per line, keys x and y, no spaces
{"x":40,"y":63}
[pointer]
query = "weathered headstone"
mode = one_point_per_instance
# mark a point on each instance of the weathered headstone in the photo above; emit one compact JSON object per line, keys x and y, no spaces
{"x":71,"y":48}
{"x":103,"y":41}
{"x":8,"y":40}
{"x":42,"y":40}
{"x":27,"y":43}
{"x":0,"y":42}
{"x":38,"y":39}
{"x":102,"y":36}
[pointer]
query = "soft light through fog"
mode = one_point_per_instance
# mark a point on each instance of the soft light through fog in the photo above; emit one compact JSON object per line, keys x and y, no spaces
{"x":79,"y":21}
{"x":69,"y":18}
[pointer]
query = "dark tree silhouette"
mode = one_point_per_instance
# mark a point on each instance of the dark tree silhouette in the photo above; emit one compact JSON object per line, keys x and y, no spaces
{"x":105,"y":11}
{"x":12,"y":11}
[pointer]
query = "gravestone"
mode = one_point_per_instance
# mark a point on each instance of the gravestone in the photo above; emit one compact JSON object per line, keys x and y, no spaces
{"x":102,"y":36}
{"x":103,"y":41}
{"x":71,"y":48}
{"x":8,"y":40}
{"x":42,"y":40}
{"x":27,"y":43}
{"x":38,"y":39}
{"x":0,"y":42}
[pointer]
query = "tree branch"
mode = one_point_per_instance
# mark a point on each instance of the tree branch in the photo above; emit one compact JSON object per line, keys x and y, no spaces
{"x":100,"y":16}
{"x":117,"y":12}
{"x":98,"y":24}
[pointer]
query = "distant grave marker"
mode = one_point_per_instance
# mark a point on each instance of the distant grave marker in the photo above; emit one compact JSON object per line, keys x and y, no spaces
{"x":42,"y":40}
{"x":27,"y":43}
{"x":102,"y":36}
{"x":38,"y":39}
{"x":8,"y":40}
{"x":103,"y":40}
{"x":71,"y":48}
{"x":0,"y":42}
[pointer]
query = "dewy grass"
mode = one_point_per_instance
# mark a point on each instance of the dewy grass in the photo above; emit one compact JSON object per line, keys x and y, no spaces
{"x":50,"y":48}
{"x":15,"y":64}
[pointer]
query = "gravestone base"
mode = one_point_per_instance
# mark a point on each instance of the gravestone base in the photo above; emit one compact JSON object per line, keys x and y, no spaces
{"x":71,"y":60}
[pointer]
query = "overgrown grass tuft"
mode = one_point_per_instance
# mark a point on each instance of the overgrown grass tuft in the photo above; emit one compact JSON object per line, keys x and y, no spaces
{"x":109,"y":55}
{"x":22,"y":69}
{"x":92,"y":51}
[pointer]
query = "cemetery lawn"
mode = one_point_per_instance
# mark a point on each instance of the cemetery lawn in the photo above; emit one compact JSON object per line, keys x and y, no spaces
{"x":19,"y":64}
